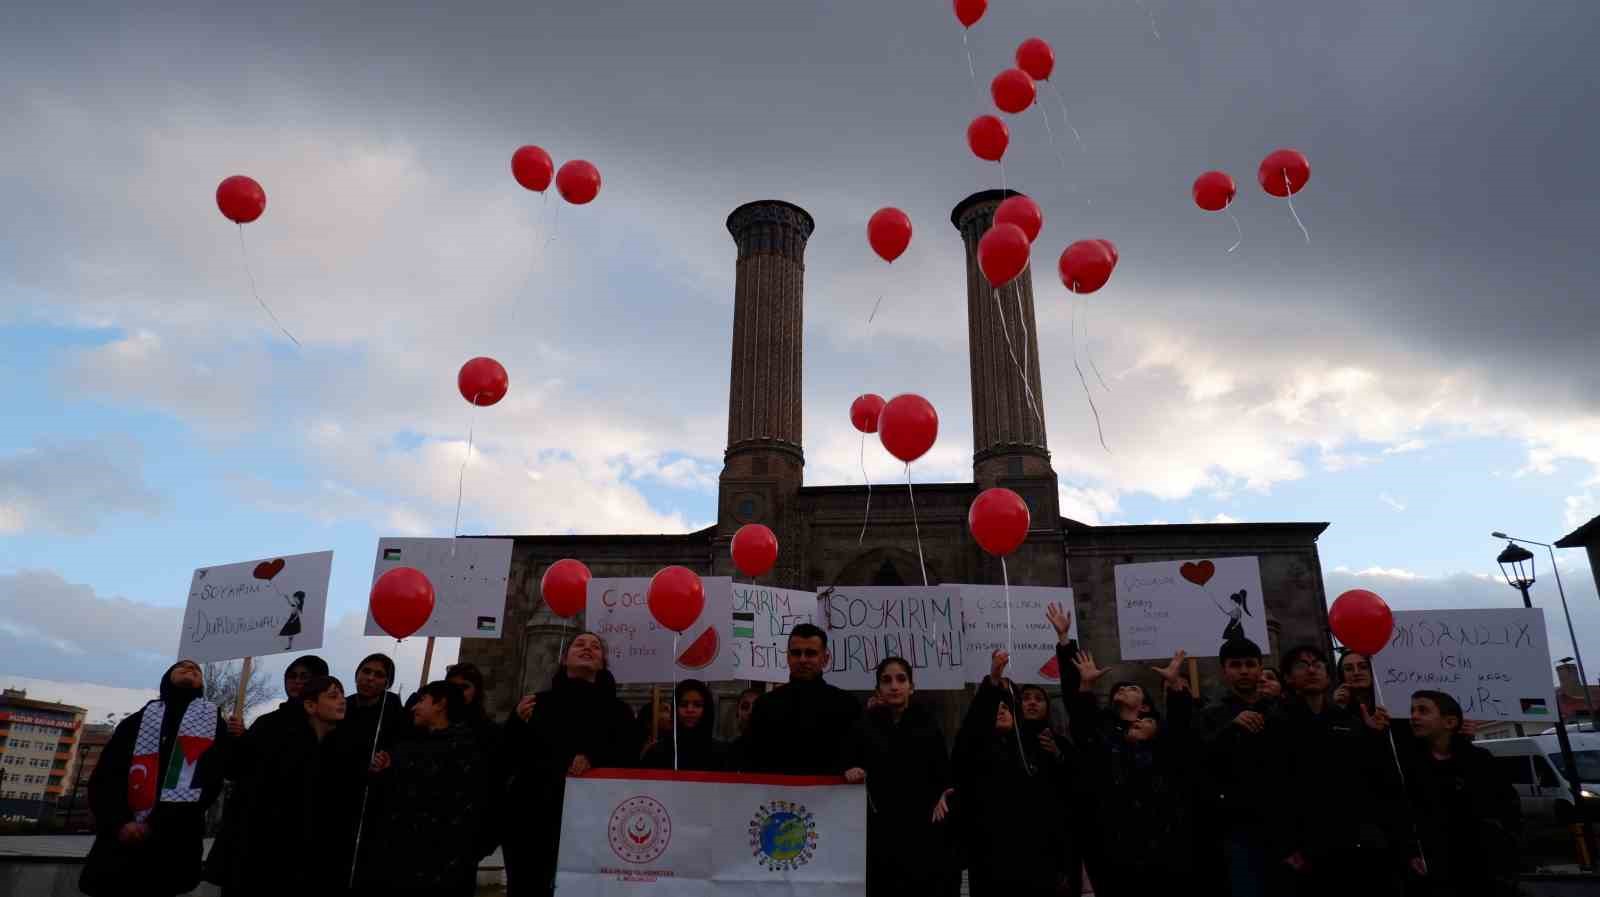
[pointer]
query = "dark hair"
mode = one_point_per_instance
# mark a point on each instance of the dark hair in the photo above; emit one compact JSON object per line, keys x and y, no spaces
{"x":1448,"y":706}
{"x":562,"y":660}
{"x":312,"y":664}
{"x":442,"y":691}
{"x":1294,"y":654}
{"x":1238,"y":649}
{"x":471,"y":673}
{"x":382,"y":660}
{"x":884,"y":664}
{"x":315,"y":688}
{"x":752,"y":691}
{"x":808,"y":630}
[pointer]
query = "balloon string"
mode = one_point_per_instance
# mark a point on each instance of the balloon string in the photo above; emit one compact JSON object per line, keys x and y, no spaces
{"x":1082,"y":379}
{"x":1016,"y":722}
{"x":1027,"y":368}
{"x":971,"y":72}
{"x":1003,"y":188}
{"x":1005,"y":331}
{"x":1072,"y":185}
{"x":1288,"y":193}
{"x":461,"y":477}
{"x":868,"y":515}
{"x":914,"y":526}
{"x":1394,"y":751}
{"x":256,"y":293}
{"x":875,"y":308}
{"x":555,"y":225}
{"x":1088,"y":348}
{"x":675,"y":637}
{"x":366,"y":788}
{"x":1151,"y":13}
{"x":1068,"y":119}
{"x":1237,"y":229}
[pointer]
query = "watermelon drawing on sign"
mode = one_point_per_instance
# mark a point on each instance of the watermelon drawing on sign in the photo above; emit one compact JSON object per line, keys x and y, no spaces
{"x":1051,"y":670}
{"x":701,"y":652}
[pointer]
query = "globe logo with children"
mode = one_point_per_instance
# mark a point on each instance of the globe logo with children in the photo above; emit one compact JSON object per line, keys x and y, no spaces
{"x":640,"y":829}
{"x":783,"y":835}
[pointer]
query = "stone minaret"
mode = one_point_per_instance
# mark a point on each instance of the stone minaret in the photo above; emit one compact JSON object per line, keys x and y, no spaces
{"x":1008,"y":436}
{"x":763,"y":467}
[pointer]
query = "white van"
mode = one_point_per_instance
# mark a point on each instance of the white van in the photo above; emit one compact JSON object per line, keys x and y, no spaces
{"x":1535,"y":766}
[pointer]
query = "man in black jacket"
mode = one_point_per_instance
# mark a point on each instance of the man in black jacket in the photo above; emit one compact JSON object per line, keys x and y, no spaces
{"x":1242,"y":736}
{"x":804,"y":726}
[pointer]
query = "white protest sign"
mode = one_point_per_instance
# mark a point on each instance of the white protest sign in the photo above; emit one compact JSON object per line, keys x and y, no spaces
{"x":1495,"y":662}
{"x":1033,"y":640}
{"x":639,"y":650}
{"x":921,"y":624}
{"x":469,"y":582}
{"x":255,"y":608}
{"x":1193,"y":606}
{"x":762,"y":620}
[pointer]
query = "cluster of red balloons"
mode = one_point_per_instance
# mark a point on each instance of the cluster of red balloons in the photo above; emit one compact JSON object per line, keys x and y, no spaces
{"x":401,"y":601}
{"x":578,"y":181}
{"x":1013,"y":91}
{"x":483,"y":381}
{"x":1086,"y":265}
{"x":1282,"y":173}
{"x":1004,"y":248}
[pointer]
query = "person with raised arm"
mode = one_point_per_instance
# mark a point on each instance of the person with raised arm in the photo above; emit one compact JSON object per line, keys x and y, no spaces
{"x":1139,"y":769}
{"x":576,"y":725}
{"x":804,"y":726}
{"x":1008,"y":800}
{"x":900,"y":754}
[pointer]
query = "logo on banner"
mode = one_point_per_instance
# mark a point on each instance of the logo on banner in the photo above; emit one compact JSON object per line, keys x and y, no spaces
{"x":783,"y":835}
{"x":640,"y":829}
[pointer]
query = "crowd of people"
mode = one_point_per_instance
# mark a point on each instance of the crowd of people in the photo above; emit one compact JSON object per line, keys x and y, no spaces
{"x":1286,"y":783}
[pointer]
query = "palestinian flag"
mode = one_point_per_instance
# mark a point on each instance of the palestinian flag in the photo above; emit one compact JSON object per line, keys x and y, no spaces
{"x":391,"y":554}
{"x":744,"y":624}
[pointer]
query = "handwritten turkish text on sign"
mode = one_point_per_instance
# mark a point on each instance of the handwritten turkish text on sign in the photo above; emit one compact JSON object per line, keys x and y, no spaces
{"x":469,"y":582}
{"x":763,"y":617}
{"x":1193,"y":605}
{"x":255,"y":608}
{"x":1032,"y":641}
{"x":1496,"y":662}
{"x":922,"y":625}
{"x":639,"y":650}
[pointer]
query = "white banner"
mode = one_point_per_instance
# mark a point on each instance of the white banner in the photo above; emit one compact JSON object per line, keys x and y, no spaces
{"x":762,"y":620}
{"x":921,"y":624}
{"x":1032,"y":641}
{"x":256,"y":608}
{"x":688,"y":834}
{"x":469,"y":579}
{"x":1495,"y":662}
{"x":1190,"y":605}
{"x":639,"y":650}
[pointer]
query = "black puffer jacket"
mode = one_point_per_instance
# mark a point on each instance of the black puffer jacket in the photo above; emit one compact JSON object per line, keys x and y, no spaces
{"x":1244,"y":770}
{"x":432,"y":830}
{"x":802,"y":728}
{"x":1468,"y":815}
{"x":168,"y":860}
{"x":1347,"y":790}
{"x":907,"y":770}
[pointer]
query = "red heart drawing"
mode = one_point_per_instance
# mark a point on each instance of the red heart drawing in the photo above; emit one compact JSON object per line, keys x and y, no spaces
{"x":1200,"y":573}
{"x":1051,"y":670}
{"x":269,"y":569}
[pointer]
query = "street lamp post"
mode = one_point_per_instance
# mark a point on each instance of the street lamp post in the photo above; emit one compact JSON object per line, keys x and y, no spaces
{"x":1516,"y":564}
{"x":1577,"y":652}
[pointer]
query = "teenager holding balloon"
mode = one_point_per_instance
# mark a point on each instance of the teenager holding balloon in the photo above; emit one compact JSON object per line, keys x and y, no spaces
{"x":900,"y":753}
{"x":692,"y":745}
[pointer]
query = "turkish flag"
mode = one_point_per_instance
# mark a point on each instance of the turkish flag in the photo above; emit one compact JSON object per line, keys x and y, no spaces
{"x":142,"y":784}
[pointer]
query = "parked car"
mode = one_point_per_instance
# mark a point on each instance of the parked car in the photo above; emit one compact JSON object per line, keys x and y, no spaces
{"x":1535,"y":766}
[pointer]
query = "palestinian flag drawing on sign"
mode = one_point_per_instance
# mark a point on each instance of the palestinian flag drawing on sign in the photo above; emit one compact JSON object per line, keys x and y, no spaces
{"x":744,"y":624}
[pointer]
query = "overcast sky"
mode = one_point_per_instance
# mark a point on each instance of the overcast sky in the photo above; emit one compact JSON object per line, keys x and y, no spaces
{"x":1419,"y":374}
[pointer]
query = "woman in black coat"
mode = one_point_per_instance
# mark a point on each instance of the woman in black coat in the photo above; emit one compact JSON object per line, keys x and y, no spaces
{"x":900,"y":753}
{"x":149,"y":816}
{"x":697,"y":750}
{"x":577,"y":725}
{"x":1007,"y":798}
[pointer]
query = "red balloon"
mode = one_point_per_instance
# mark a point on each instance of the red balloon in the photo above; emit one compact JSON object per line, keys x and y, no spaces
{"x":968,"y":12}
{"x":1362,"y":621}
{"x":999,"y":520}
{"x":1023,"y":212}
{"x":565,"y":587}
{"x":1013,"y":91}
{"x":1111,"y":249}
{"x":533,"y":168}
{"x":241,"y":199}
{"x":402,"y":600}
{"x":483,"y":381}
{"x":755,"y":549}
{"x":1214,"y":191}
{"x":578,"y":182}
{"x":889,"y":232}
{"x":676,"y":598}
{"x":1278,"y":165}
{"x":908,"y":426}
{"x":864,"y":412}
{"x":988,"y":138}
{"x":1035,"y":57}
{"x":1003,"y":254}
{"x":1086,"y":265}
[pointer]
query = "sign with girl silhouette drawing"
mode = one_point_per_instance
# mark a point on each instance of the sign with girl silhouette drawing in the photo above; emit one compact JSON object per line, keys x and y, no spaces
{"x":254,"y":608}
{"x":1190,"y":605}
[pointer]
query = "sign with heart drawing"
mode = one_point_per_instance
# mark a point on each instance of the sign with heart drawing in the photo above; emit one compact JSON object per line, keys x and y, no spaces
{"x":1193,"y":605}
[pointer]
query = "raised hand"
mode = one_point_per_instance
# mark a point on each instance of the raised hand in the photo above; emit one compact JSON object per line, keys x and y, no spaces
{"x":1376,"y":720}
{"x":1088,"y":672}
{"x":1047,"y":742}
{"x":1060,"y":619}
{"x":1341,"y":696}
{"x":525,"y":706}
{"x":380,"y":761}
{"x":1172,"y":673}
{"x":941,"y":809}
{"x":997,"y":665}
{"x":855,"y":775}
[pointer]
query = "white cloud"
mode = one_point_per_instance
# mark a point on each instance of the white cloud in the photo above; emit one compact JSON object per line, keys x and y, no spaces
{"x":1085,"y":505}
{"x":1393,"y":503}
{"x":1410,"y":445}
{"x":70,"y":487}
{"x":1219,"y":517}
{"x":1380,"y":572}
{"x":1580,"y":509}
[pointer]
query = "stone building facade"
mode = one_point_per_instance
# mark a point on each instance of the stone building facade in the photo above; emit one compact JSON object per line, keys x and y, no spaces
{"x":818,"y":526}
